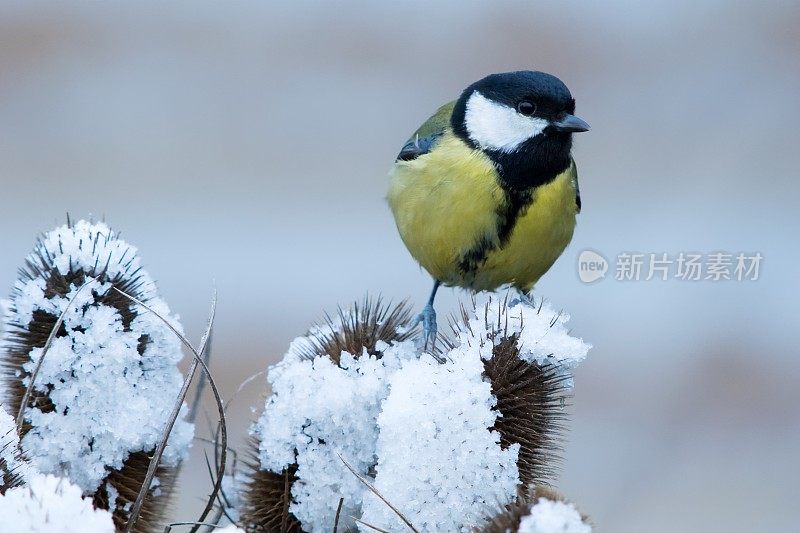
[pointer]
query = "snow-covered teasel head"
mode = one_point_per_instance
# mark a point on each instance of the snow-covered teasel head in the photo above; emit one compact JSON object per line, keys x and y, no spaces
{"x":109,"y":380}
{"x":445,"y":438}
{"x":326,"y":395}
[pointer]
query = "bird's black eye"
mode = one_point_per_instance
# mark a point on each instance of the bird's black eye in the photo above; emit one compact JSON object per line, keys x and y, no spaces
{"x":526,"y":108}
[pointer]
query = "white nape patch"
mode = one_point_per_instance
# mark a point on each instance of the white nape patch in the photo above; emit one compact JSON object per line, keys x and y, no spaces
{"x":495,"y":126}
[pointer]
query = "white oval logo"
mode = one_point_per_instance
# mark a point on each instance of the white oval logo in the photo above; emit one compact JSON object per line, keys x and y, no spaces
{"x":591,"y":266}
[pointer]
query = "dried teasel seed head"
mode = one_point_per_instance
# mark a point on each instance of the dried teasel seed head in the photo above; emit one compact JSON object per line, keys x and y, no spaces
{"x":266,"y":497}
{"x":366,"y":327}
{"x":111,"y":367}
{"x":358,"y":329}
{"x":531,"y":399}
{"x":532,"y":388}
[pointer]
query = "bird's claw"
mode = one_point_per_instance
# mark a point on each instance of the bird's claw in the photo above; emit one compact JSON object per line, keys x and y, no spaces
{"x":522,"y":297}
{"x":429,"y":327}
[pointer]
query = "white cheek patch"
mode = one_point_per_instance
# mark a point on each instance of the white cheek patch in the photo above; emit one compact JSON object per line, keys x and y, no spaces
{"x":495,"y":126}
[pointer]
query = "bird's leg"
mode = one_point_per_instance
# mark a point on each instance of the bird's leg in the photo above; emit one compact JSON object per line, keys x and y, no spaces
{"x":524,"y":297}
{"x":428,"y":318}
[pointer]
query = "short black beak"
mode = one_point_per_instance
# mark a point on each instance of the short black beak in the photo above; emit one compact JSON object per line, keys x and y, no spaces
{"x":570,"y":124}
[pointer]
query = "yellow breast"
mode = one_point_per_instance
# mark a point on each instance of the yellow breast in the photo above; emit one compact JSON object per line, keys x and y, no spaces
{"x":446,"y":201}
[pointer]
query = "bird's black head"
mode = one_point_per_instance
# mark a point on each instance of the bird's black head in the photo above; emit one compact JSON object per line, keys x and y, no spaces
{"x":523,"y":121}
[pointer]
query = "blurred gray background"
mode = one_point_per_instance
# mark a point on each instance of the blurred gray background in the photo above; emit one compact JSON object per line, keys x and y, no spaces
{"x":245,"y":145}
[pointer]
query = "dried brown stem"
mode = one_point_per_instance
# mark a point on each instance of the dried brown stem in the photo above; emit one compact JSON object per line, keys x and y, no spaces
{"x":198,"y":360}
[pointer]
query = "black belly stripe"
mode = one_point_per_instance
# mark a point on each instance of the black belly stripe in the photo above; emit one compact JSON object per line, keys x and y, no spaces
{"x":514,"y":207}
{"x":475,"y":256}
{"x":517,"y":204}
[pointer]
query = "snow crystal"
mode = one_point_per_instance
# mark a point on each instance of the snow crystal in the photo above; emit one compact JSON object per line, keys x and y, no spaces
{"x":438,"y":462}
{"x":109,"y":400}
{"x":548,"y":516}
{"x":52,"y":505}
{"x":318,"y":410}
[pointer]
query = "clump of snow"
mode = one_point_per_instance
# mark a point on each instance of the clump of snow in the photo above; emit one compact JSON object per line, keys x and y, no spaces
{"x":542,"y":334}
{"x":112,"y":494}
{"x":10,"y":455}
{"x":438,"y":462}
{"x":109,"y":399}
{"x":548,"y":516}
{"x":52,"y":505}
{"x":155,"y":487}
{"x":319,"y":410}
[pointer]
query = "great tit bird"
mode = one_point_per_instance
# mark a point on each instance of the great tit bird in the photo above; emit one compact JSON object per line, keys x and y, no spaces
{"x":485,"y":193}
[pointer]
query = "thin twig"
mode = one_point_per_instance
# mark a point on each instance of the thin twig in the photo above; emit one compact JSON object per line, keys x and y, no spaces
{"x":201,"y":381}
{"x":243,"y":385}
{"x":369,"y":485}
{"x":198,"y":360}
{"x":170,"y":526}
{"x":220,"y":508}
{"x":374,"y":528}
{"x":223,"y":434}
{"x":215,"y":441}
{"x":228,"y":404}
{"x":28,"y":391}
{"x":221,"y":497}
{"x":216,"y":444}
{"x":215,"y":520}
{"x":224,"y":504}
{"x":231,"y":450}
{"x":338,"y":514}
